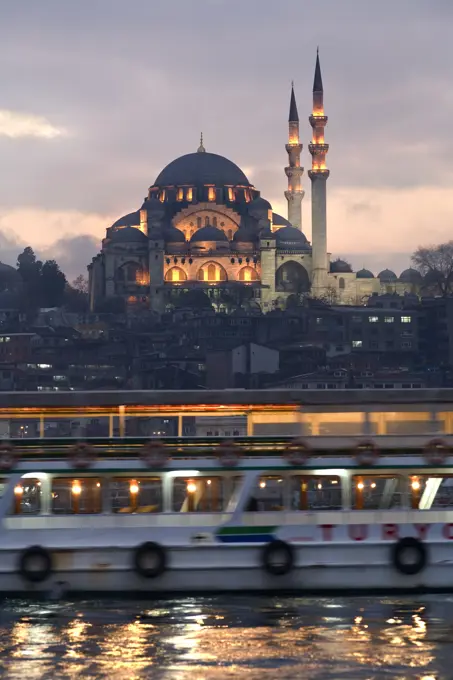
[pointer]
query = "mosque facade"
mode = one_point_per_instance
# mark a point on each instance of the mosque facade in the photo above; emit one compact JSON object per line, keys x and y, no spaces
{"x":205,"y":230}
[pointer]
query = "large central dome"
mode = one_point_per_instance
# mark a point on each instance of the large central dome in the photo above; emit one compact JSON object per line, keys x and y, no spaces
{"x":201,"y":168}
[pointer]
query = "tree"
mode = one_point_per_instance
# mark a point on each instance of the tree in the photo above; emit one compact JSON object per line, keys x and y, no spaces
{"x":52,"y":284}
{"x":435,"y":264}
{"x":80,"y":284}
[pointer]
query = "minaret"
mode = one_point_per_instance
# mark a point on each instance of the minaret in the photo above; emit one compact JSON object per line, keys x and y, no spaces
{"x":294,"y":172}
{"x":201,"y":148}
{"x":318,"y":175}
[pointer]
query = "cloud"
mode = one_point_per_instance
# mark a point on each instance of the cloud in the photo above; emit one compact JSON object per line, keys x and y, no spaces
{"x":14,"y":125}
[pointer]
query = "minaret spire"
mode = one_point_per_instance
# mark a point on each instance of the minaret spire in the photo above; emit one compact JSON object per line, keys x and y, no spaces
{"x":293,"y":171}
{"x":201,"y":148}
{"x":318,"y":175}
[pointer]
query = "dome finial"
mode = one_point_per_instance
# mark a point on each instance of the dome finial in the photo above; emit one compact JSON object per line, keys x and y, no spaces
{"x":201,"y":148}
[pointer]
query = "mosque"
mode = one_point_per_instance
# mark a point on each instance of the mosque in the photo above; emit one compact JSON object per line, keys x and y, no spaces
{"x":205,"y":230}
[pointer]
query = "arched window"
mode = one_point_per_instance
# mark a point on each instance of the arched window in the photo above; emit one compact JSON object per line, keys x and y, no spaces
{"x":130,"y":272}
{"x":176,"y":274}
{"x":292,"y":277}
{"x":248,"y":274}
{"x":341,"y":283}
{"x":214,"y":221}
{"x":206,"y":221}
{"x":198,"y":222}
{"x":230,"y":234}
{"x":212,"y":272}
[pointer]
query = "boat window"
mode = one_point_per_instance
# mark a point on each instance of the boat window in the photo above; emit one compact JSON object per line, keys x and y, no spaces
{"x":430,"y":492}
{"x":268,"y":495}
{"x":199,"y":494}
{"x":81,"y":495}
{"x":142,"y":494}
{"x":315,"y":493}
{"x":27,"y":497}
{"x":377,"y":492}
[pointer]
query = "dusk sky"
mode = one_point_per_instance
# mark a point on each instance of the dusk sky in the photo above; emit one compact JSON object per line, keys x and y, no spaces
{"x":97,"y":96}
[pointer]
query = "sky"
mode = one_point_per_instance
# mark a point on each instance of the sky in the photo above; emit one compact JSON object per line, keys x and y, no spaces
{"x":97,"y":97}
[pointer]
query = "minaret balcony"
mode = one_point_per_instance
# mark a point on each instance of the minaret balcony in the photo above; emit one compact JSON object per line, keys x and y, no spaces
{"x":318,"y":149}
{"x":294,"y":171}
{"x":293,"y":147}
{"x":318,"y":120}
{"x":317,"y":173}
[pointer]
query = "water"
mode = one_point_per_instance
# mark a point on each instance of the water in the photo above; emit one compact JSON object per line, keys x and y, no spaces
{"x":200,"y":638}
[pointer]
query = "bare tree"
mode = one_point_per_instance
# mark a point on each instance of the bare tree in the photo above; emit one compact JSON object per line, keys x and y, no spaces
{"x":435,"y":264}
{"x":80,"y":284}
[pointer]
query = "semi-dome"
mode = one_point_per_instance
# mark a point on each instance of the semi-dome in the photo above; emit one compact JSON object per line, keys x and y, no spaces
{"x":209,"y":233}
{"x":387,"y":276}
{"x":290,"y":237}
{"x":244,"y":236}
{"x":130,"y":220}
{"x":340,"y":266}
{"x":279,"y":221}
{"x":173,"y":235}
{"x":128,"y":235}
{"x":411,"y":276}
{"x":201,"y":168}
{"x":364,"y":274}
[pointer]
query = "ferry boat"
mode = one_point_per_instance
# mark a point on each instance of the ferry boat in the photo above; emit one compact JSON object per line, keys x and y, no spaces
{"x":250,"y":514}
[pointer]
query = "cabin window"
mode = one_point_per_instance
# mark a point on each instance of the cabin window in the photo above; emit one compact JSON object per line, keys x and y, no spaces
{"x":27,"y":497}
{"x":198,"y":494}
{"x":315,"y":493}
{"x":429,"y":492}
{"x":268,"y":495}
{"x":76,"y":495}
{"x":377,"y":492}
{"x":137,"y":494}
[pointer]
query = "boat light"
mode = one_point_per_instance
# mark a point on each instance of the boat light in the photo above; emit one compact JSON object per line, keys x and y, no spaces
{"x":262,"y":485}
{"x":319,"y":486}
{"x":208,"y":482}
{"x":133,"y":487}
{"x":98,"y":484}
{"x":415,"y":484}
{"x":18,"y":490}
{"x":373,"y":485}
{"x":360,"y":485}
{"x":191,"y":487}
{"x":76,"y":488}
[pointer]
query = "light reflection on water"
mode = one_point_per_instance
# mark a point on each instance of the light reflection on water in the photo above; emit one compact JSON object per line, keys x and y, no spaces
{"x":230,"y":637}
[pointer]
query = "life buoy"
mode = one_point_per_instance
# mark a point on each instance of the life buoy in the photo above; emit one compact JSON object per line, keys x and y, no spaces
{"x":297,"y":453}
{"x":228,"y":454}
{"x":35,"y":564}
{"x":436,"y":452}
{"x":82,"y":456}
{"x":409,"y":556}
{"x":150,"y":560}
{"x":8,"y":456}
{"x":366,"y":453}
{"x":154,"y":455}
{"x":277,"y":558}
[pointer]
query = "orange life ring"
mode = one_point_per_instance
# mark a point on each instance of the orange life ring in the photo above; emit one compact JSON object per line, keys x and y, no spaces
{"x":154,"y":455}
{"x":298,"y":452}
{"x":366,"y":452}
{"x":436,"y":452}
{"x":82,"y":456}
{"x":8,"y":456}
{"x":229,"y":454}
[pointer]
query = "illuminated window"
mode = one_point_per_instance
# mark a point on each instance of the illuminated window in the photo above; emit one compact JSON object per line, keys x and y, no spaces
{"x":230,"y":194}
{"x":175,"y":274}
{"x":162,"y":196}
{"x":357,"y":343}
{"x":212,"y":272}
{"x":211,"y":194}
{"x":373,"y":319}
{"x":27,"y":497}
{"x":179,"y":195}
{"x":315,"y":493}
{"x":189,"y":194}
{"x":406,"y":319}
{"x":73,"y":496}
{"x":248,"y":274}
{"x":230,"y":234}
{"x":389,"y":319}
{"x":247,"y":195}
{"x":143,"y":494}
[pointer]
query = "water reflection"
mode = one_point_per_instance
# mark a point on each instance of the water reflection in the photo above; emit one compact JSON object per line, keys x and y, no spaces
{"x":234,"y":637}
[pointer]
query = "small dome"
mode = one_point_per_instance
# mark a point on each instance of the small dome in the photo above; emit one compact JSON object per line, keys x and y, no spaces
{"x":128,"y":235}
{"x":130,"y":220}
{"x":173,"y":235}
{"x":340,"y":266}
{"x":365,"y":274}
{"x":201,"y":168}
{"x":290,"y":237}
{"x":208,"y":233}
{"x":387,"y":276}
{"x":411,"y":276}
{"x":243,"y":236}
